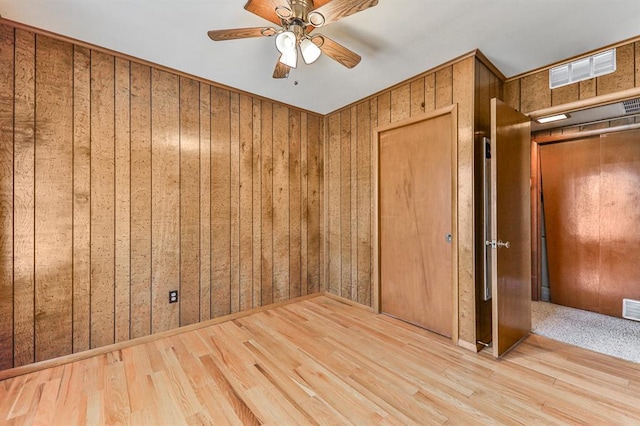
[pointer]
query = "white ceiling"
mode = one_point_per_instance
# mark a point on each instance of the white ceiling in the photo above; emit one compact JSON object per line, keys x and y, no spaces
{"x":397,"y":39}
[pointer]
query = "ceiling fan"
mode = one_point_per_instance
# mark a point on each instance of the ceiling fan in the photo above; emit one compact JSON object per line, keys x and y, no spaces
{"x":297,"y":19}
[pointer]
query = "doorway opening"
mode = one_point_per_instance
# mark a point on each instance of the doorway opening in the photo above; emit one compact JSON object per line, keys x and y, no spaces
{"x":586,"y":227}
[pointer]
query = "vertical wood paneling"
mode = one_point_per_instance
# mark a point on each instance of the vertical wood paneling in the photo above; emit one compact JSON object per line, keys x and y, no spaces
{"x":345,"y":203}
{"x":124,"y":182}
{"x":417,"y":97}
{"x":122,"y":200}
{"x":189,"y":201}
{"x":304,"y":205}
{"x":384,"y":108}
{"x":53,"y":198}
{"x":205,"y":202}
{"x":140,"y":200}
{"x":401,"y":102}
{"x":24,"y":207}
{"x":587,"y":88}
{"x":624,"y":76}
{"x":534,"y":91}
{"x":294,"y":204}
{"x":353,"y":295}
{"x":637,"y":78}
{"x":256,"y":140}
{"x":463,"y":94}
{"x":280,"y":203}
{"x":430,"y":92}
{"x":165,"y":199}
{"x":235,"y":201}
{"x":267,"y":202}
{"x":444,"y":87}
{"x":334,"y":208}
{"x":315,"y":152}
{"x":102,"y":199}
{"x":220,"y":202}
{"x":364,"y":168}
{"x":565,"y":94}
{"x":7,"y":47}
{"x":246,"y":203}
{"x":512,"y":94}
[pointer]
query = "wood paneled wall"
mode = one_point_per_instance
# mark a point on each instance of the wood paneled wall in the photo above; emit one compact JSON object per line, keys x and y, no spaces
{"x":531,"y":92}
{"x":120,"y":181}
{"x":349,"y":168}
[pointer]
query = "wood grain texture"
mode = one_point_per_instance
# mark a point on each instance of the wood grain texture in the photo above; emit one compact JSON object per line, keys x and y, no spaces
{"x":304,"y":205}
{"x":624,"y":76}
{"x":234,"y":202}
{"x":205,"y":202}
{"x":417,"y":97}
{"x":334,"y":207}
{"x":430,"y":92}
{"x":315,"y":229}
{"x":256,"y":199}
{"x":444,"y":87}
{"x":122,"y":199}
{"x":565,"y":94}
{"x":24,"y":200}
{"x":295,"y":236}
{"x":280,"y":203}
{"x":220,"y":203}
{"x":401,"y":102}
{"x":245,"y":291}
{"x":102,"y":199}
{"x":265,"y":368}
{"x":165,"y":199}
{"x":534,"y":92}
{"x":53,"y":198}
{"x":512,"y":94}
{"x":189,"y":201}
{"x":7,"y":61}
{"x":354,"y":203}
{"x":345,"y":282}
{"x":267,"y":255}
{"x":140,"y":200}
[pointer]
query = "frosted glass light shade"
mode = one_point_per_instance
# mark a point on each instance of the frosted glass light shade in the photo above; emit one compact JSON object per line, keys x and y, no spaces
{"x":286,"y":41}
{"x":290,"y":57}
{"x":310,"y":52}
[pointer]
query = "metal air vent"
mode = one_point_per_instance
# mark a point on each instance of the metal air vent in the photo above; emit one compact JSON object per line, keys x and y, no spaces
{"x":631,"y":106}
{"x":631,"y":309}
{"x":583,"y":69}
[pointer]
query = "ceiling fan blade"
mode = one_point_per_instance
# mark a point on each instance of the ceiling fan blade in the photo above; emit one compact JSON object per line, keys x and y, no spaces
{"x":336,"y":51}
{"x":236,"y":33}
{"x":266,"y":9}
{"x":338,"y":9}
{"x":281,"y":70}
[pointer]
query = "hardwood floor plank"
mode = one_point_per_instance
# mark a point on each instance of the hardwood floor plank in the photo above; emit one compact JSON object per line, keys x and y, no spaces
{"x":320,"y":361}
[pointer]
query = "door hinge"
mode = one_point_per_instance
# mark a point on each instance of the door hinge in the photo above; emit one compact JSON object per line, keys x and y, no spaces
{"x":497,"y":244}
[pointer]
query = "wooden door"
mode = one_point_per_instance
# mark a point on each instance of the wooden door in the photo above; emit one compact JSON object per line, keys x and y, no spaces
{"x":416,"y":198}
{"x":591,"y":188}
{"x":510,"y":226}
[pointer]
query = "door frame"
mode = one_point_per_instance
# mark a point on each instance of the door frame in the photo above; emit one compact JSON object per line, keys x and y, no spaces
{"x":449,"y":110}
{"x":536,"y":221}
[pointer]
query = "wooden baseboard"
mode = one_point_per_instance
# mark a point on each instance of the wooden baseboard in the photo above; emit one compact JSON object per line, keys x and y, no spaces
{"x":348,"y":302}
{"x":54,"y":362}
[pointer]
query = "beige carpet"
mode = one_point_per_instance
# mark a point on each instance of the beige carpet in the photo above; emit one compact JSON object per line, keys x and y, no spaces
{"x":601,"y":333}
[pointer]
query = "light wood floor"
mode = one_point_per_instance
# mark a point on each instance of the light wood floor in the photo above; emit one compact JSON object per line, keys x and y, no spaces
{"x":320,"y":361}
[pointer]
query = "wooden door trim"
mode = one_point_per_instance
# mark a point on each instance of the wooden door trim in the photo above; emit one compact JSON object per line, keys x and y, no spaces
{"x":453,"y":111}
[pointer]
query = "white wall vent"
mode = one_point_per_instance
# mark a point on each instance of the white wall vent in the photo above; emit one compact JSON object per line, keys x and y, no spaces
{"x":583,"y":69}
{"x":632,"y":106}
{"x":631,"y":309}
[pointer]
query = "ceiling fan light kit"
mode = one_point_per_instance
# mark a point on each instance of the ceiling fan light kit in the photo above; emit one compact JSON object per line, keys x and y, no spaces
{"x":297,"y":18}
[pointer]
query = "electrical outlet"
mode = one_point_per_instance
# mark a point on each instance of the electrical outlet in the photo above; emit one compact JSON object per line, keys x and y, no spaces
{"x":173,"y":296}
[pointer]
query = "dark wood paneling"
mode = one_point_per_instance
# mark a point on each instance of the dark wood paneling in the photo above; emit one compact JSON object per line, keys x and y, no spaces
{"x":53,"y":198}
{"x":7,"y":58}
{"x":24,"y":202}
{"x":102,"y":199}
{"x":189,"y":201}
